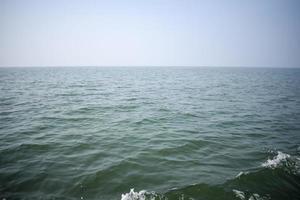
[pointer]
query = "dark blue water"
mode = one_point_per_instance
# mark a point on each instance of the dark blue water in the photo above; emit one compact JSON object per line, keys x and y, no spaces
{"x":177,"y":133}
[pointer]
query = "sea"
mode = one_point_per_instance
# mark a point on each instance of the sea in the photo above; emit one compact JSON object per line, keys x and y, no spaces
{"x":149,"y":133}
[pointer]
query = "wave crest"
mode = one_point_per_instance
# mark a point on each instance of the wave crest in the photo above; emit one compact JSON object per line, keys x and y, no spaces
{"x":132,"y":195}
{"x":276,"y":160}
{"x":259,"y":184}
{"x":243,"y":196}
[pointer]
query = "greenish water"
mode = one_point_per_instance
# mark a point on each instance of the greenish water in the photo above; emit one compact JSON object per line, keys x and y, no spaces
{"x":177,"y":133}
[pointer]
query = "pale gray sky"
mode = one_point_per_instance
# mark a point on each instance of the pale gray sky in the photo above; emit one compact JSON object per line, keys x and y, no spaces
{"x":152,"y":32}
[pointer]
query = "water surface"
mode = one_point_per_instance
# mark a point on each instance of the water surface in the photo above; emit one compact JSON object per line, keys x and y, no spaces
{"x":178,"y":133}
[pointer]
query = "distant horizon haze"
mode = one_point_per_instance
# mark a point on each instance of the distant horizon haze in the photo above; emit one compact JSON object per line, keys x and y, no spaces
{"x":144,"y":66}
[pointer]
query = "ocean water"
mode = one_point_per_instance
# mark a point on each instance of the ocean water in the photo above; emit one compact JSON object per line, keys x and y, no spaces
{"x":149,"y":133}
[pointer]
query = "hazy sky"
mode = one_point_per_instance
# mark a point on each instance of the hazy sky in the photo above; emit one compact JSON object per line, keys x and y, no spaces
{"x":150,"y":32}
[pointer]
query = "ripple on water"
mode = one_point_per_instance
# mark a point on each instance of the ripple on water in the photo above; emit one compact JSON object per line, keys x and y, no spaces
{"x":95,"y":133}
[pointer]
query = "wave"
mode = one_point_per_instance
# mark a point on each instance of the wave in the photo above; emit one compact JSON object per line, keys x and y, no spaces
{"x":276,"y":179}
{"x":132,"y":195}
{"x":243,"y":196}
{"x":277,"y":160}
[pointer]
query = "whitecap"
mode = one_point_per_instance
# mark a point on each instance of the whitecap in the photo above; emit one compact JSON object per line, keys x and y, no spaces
{"x":239,"y":194}
{"x":258,"y":197}
{"x":277,"y":160}
{"x":132,"y":195}
{"x":241,"y":173}
{"x":243,"y":196}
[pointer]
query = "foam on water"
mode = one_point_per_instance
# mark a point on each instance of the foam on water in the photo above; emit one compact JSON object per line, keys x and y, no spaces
{"x":243,"y":196}
{"x":276,"y":160}
{"x":239,"y":194}
{"x":132,"y":195}
{"x":287,"y":162}
{"x":241,"y":174}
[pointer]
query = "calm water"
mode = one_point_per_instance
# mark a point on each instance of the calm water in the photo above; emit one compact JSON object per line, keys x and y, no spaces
{"x":177,"y":133}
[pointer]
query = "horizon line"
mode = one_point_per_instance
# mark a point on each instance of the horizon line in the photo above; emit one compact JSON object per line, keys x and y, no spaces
{"x":150,"y":66}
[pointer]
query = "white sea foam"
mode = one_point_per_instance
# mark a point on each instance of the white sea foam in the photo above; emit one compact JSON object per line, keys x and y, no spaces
{"x":239,"y":194}
{"x":132,"y":195}
{"x":257,"y":197}
{"x":241,"y":173}
{"x":277,"y":160}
